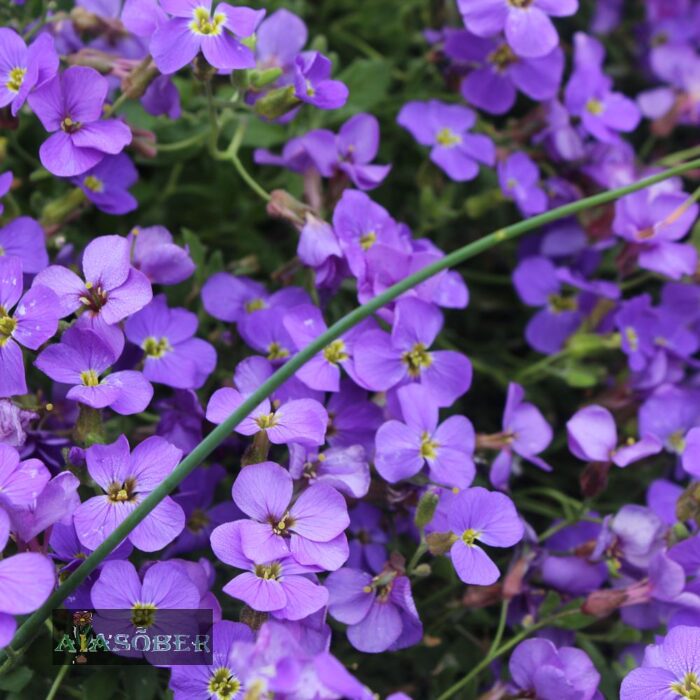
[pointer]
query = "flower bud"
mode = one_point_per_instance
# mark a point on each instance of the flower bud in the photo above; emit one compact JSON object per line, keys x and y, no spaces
{"x":440,"y":542}
{"x":426,"y":509}
{"x":277,"y":103}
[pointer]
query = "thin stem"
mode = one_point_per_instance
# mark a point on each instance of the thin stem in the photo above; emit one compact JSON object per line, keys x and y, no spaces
{"x":57,"y":682}
{"x":221,"y":432}
{"x":503,"y":618}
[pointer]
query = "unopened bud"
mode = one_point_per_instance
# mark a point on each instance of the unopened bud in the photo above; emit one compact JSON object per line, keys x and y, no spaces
{"x":426,"y":509}
{"x":422,"y":570}
{"x":259,"y":79}
{"x":440,"y":542}
{"x":277,"y":103}
{"x":604,"y":603}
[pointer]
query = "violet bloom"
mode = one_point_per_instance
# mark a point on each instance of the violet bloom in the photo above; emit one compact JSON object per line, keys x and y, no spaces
{"x":107,"y":184}
{"x":280,"y":586}
{"x":311,"y":529}
{"x":22,"y":69}
{"x":221,"y":679}
{"x":478,"y":515}
{"x":404,"y":448}
{"x":519,"y":178}
{"x":496,"y":73}
{"x":181,"y":418}
{"x":172,"y":355}
{"x":196,"y":27}
{"x":70,"y":105}
{"x":352,"y":418}
{"x":80,"y":360}
{"x":592,"y":436}
{"x":14,"y":423}
{"x":127,"y":477}
{"x":382,"y":360}
{"x":25,"y":321}
{"x":300,"y":420}
{"x":21,"y":481}
{"x":526,"y":23}
{"x":112,"y":290}
{"x":379,"y":611}
{"x":162,"y":97}
{"x":670,"y":669}
{"x":368,"y":544}
{"x":156,"y":255}
{"x":313,"y":84}
{"x":445,"y":128}
{"x":279,"y":40}
{"x":540,"y":669}
{"x":6,"y":180}
{"x":526,"y":433}
{"x":26,"y":581}
{"x":653,"y":221}
{"x":589,"y":95}
{"x":25,"y":238}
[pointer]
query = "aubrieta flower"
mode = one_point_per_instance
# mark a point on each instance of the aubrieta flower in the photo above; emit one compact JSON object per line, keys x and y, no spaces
{"x":27,"y":320}
{"x":478,"y":515}
{"x":280,"y":38}
{"x":313,"y":83}
{"x":378,"y":610}
{"x":496,"y":73}
{"x":519,"y":178}
{"x":344,"y":468}
{"x":526,"y":23}
{"x":112,"y":290}
{"x":279,"y":586}
{"x":311,"y":529}
{"x":592,"y":435}
{"x":22,"y":69}
{"x":24,"y":238}
{"x":172,"y":355}
{"x":222,"y":679}
{"x":107,"y":184}
{"x":540,"y":669}
{"x":21,"y":481}
{"x":670,"y":669}
{"x":446,"y":128}
{"x":384,"y":360}
{"x":6,"y":180}
{"x":154,"y":253}
{"x":404,"y":448}
{"x":126,"y":477}
{"x":196,"y":27}
{"x":26,"y":581}
{"x":70,"y":106}
{"x":81,"y":360}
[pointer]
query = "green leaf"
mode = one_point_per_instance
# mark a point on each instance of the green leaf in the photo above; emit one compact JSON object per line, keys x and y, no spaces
{"x":140,"y":683}
{"x":16,"y":680}
{"x":368,"y":81}
{"x":550,"y":604}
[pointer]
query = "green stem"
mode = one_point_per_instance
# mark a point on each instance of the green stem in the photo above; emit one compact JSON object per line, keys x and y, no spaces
{"x":502,"y":619}
{"x":492,"y":655}
{"x":221,"y":432}
{"x":57,"y":682}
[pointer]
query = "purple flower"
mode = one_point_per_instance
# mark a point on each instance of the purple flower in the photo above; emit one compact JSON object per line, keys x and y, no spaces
{"x":300,"y":420}
{"x":280,"y":39}
{"x":126,"y":478}
{"x":519,"y":179}
{"x":195,"y":27}
{"x":33,"y":321}
{"x":592,"y":435}
{"x":478,"y":515}
{"x":14,"y":422}
{"x":403,"y":448}
{"x":25,"y":238}
{"x":181,"y":419}
{"x":311,"y":529}
{"x":70,"y":106}
{"x":313,"y":84}
{"x":112,"y":290}
{"x":6,"y":180}
{"x":368,"y":544}
{"x":107,"y":184}
{"x":21,"y":481}
{"x":155,"y":254}
{"x":379,"y":611}
{"x":172,"y":355}
{"x":280,"y":586}
{"x":539,"y":668}
{"x":162,"y":97}
{"x":526,"y":23}
{"x":80,"y":360}
{"x":382,"y":361}
{"x":22,"y":69}
{"x":345,"y":469}
{"x":496,"y":73}
{"x":222,"y":679}
{"x":445,"y":128}
{"x":670,"y":669}
{"x":352,"y":418}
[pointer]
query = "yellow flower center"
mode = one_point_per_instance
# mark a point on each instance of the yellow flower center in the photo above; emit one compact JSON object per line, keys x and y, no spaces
{"x":632,"y":338}
{"x":521,"y":4}
{"x":558,"y":303}
{"x":255,"y":305}
{"x":69,"y":126}
{"x":417,"y":359}
{"x":89,"y":377}
{"x":470,"y":536}
{"x":206,"y":25}
{"x":447,"y":137}
{"x":367,"y":240}
{"x":223,"y":684}
{"x":156,"y":348}
{"x":276,"y":352}
{"x":266,"y":421}
{"x":143,"y":614}
{"x":335,"y":352}
{"x":689,"y":687}
{"x":270,"y":572}
{"x":502,"y":57}
{"x":94,"y":184}
{"x":15,"y":78}
{"x":7,"y":326}
{"x":197,"y":521}
{"x":595,"y":107}
{"x":428,"y":447}
{"x":121,"y":493}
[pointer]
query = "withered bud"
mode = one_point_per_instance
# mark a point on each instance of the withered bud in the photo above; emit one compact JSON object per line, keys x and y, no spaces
{"x":440,"y":542}
{"x":604,"y":603}
{"x":283,"y":206}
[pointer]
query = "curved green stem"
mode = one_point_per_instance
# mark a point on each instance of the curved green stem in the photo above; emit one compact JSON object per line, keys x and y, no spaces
{"x":221,"y":432}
